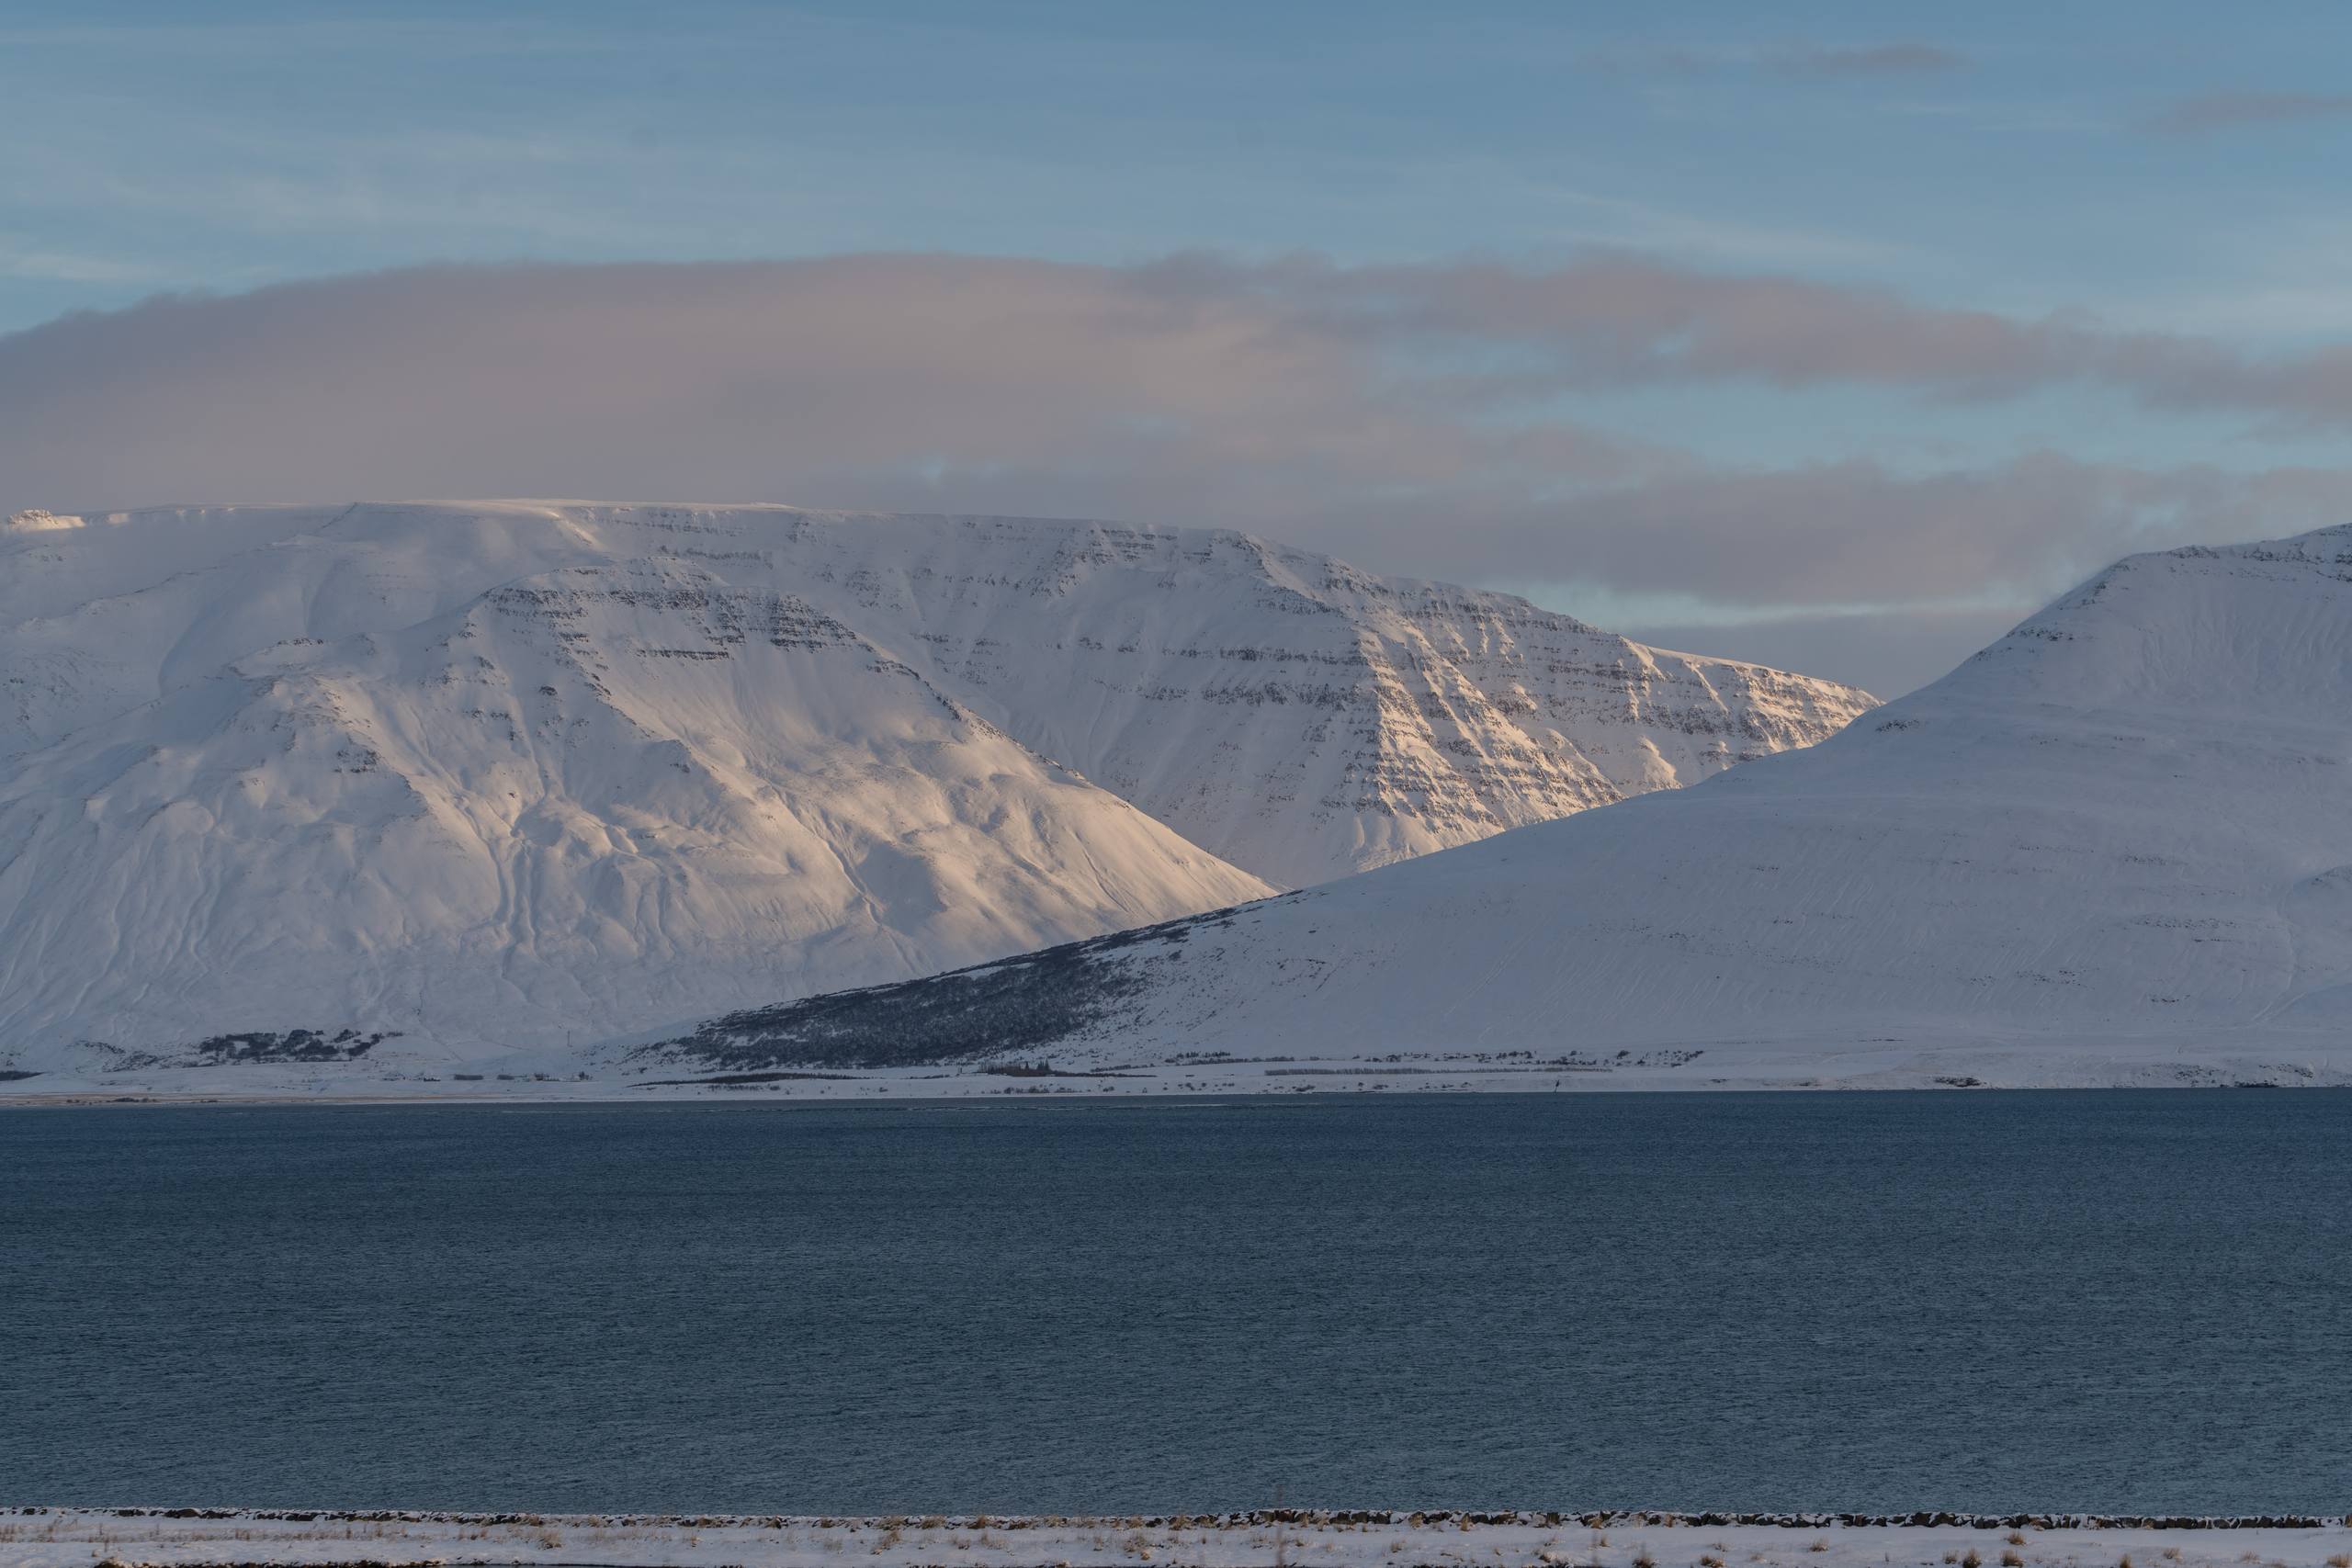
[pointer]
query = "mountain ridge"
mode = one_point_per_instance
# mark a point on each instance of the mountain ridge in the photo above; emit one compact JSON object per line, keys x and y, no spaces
{"x":457,"y":775}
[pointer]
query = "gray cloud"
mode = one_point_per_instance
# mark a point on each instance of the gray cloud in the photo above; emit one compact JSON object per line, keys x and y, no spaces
{"x":1393,"y":415}
{"x":1855,"y":533}
{"x":1873,"y":60}
{"x":1817,"y":60}
{"x":2227,"y":111}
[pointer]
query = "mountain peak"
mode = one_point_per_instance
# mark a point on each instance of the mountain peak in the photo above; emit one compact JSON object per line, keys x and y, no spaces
{"x":2242,"y":624}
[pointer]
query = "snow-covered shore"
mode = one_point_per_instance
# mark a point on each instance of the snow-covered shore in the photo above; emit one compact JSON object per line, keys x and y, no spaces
{"x":71,"y":1538}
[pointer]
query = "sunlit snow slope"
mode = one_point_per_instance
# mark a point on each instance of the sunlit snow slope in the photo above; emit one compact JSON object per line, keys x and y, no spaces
{"x":2114,"y":847}
{"x":503,"y":775}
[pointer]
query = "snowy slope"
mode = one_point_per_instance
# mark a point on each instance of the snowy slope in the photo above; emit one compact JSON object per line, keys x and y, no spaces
{"x":507,"y":775}
{"x":2116,"y":846}
{"x":589,"y":800}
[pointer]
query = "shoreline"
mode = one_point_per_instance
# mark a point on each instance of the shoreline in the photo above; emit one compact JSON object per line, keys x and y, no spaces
{"x":1745,"y":1067}
{"x":86,"y":1098}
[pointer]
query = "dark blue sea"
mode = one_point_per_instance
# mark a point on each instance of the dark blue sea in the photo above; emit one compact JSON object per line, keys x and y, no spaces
{"x":2104,"y":1300}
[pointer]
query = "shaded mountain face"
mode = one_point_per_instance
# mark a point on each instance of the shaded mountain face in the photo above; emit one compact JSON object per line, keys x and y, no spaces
{"x":2116,"y":846}
{"x":314,"y":783}
{"x":1298,"y":717}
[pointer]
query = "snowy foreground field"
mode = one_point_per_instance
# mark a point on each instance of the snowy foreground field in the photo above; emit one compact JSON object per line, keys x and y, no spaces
{"x":40,"y":1538}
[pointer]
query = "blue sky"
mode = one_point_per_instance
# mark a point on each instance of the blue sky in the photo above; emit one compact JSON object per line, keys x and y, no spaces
{"x":2173,"y":170}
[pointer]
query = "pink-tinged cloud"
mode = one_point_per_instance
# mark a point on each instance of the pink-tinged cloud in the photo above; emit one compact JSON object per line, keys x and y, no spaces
{"x":1356,"y":409}
{"x":1610,"y":318}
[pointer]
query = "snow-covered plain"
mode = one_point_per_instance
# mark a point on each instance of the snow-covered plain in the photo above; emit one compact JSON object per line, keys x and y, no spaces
{"x":452,"y":783}
{"x":2114,"y":848}
{"x":76,"y":1537}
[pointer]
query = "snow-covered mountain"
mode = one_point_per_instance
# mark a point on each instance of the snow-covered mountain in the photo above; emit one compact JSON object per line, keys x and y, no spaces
{"x":1298,"y":717}
{"x":2114,"y":847}
{"x":504,"y":776}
